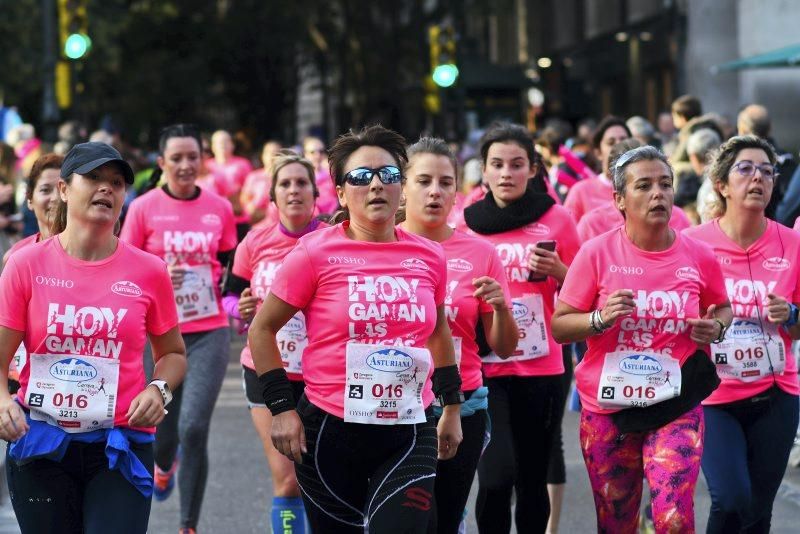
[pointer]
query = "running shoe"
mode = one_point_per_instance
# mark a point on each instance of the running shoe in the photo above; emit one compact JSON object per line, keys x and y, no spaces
{"x":164,"y":481}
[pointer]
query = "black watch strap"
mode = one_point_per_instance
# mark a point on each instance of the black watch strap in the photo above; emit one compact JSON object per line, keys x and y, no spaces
{"x":454,"y":397}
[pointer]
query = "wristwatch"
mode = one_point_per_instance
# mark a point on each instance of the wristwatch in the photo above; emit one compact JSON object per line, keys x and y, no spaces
{"x":794,"y":312}
{"x":163,"y":387}
{"x":454,"y":397}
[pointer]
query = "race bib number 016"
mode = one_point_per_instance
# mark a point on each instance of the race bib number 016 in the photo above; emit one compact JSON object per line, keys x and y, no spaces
{"x":749,"y":352}
{"x":292,"y":340}
{"x":74,"y":393}
{"x":196,"y":298}
{"x":384,"y":384}
{"x":528,"y":312}
{"x":638,"y":380}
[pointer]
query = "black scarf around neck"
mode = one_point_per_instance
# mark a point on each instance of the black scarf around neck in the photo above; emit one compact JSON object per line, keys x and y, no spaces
{"x":486,"y":217}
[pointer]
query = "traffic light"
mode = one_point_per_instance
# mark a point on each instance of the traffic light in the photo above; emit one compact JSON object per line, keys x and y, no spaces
{"x":73,"y":28}
{"x":442,"y":41}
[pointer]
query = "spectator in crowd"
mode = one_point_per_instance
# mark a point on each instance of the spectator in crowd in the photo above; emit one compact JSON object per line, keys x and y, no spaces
{"x":754,"y":120}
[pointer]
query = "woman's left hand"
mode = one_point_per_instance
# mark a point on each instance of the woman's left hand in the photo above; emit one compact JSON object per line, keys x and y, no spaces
{"x":778,"y":309}
{"x":147,"y":408}
{"x":449,"y":431}
{"x":706,"y":329}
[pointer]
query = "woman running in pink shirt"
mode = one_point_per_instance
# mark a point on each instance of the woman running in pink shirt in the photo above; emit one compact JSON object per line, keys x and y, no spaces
{"x":648,"y":300}
{"x":42,"y":198}
{"x":258,"y":258}
{"x":751,"y":418}
{"x":363,"y":436}
{"x":85,"y":303}
{"x":193,"y":231}
{"x":536,"y":241}
{"x":477,"y":296}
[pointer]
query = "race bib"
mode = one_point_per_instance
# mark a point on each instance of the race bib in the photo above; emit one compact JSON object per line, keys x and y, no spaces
{"x":528,"y":312}
{"x":17,"y":362}
{"x":384,"y":384}
{"x":638,"y":380}
{"x":196,"y":298}
{"x":74,"y":393}
{"x":292,"y":340}
{"x":749,"y":352}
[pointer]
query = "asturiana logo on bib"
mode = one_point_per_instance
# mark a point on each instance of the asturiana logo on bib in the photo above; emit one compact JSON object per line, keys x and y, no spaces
{"x":688,"y":273}
{"x":744,"y":329}
{"x":126,"y":289}
{"x":295,"y":324}
{"x":640,"y":364}
{"x":460,"y":265}
{"x":390,"y":361}
{"x":518,"y":310}
{"x":211,"y":219}
{"x":776,"y":264}
{"x":414,"y":264}
{"x":537,"y":229}
{"x":73,"y":370}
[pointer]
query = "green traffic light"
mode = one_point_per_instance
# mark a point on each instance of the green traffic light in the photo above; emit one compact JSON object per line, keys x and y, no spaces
{"x":445,"y":75}
{"x":77,"y":45}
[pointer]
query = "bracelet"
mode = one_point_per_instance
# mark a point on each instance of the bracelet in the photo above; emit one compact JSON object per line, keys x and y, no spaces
{"x":596,"y":322}
{"x":277,"y":391}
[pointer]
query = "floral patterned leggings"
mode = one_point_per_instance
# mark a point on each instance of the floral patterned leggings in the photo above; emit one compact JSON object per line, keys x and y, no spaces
{"x":669,"y":457}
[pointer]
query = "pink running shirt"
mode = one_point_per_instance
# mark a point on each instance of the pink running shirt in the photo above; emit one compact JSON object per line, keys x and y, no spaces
{"x":468,"y":258}
{"x":255,"y":192}
{"x":13,"y":370}
{"x":774,"y":266}
{"x":797,"y":225}
{"x":22,"y":243}
{"x":184,"y":232}
{"x":363,"y":292}
{"x":514,"y":248}
{"x":607,"y":217}
{"x":233,"y":173}
{"x":587,"y":195}
{"x":327,"y":202}
{"x":103,"y":308}
{"x":258,"y":258}
{"x":669,"y":287}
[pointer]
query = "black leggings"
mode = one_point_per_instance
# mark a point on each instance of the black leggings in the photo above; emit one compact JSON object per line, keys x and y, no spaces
{"x":79,"y":494}
{"x":557,"y":469}
{"x":454,"y":477}
{"x":525,"y":412}
{"x":358,"y":477}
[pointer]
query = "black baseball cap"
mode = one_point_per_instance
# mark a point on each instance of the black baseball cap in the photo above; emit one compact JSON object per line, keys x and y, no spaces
{"x":85,"y":157}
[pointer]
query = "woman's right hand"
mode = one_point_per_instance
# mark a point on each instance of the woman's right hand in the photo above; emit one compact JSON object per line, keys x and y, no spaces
{"x":12,"y":420}
{"x":620,"y":303}
{"x":289,"y":436}
{"x":247,"y":305}
{"x":176,"y":274}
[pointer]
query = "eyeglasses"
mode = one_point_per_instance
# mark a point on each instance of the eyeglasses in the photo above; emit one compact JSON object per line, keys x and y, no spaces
{"x":748,"y":169}
{"x":388,"y":174}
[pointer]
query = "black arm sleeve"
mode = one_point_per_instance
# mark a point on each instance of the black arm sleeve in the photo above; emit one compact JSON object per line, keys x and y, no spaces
{"x":235,"y":285}
{"x":225,"y":256}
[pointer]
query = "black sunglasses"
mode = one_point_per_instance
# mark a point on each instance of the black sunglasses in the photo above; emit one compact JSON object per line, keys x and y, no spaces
{"x":388,"y":174}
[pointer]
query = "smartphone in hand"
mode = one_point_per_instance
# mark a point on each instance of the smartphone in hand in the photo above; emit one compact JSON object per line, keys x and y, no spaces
{"x":546,"y":245}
